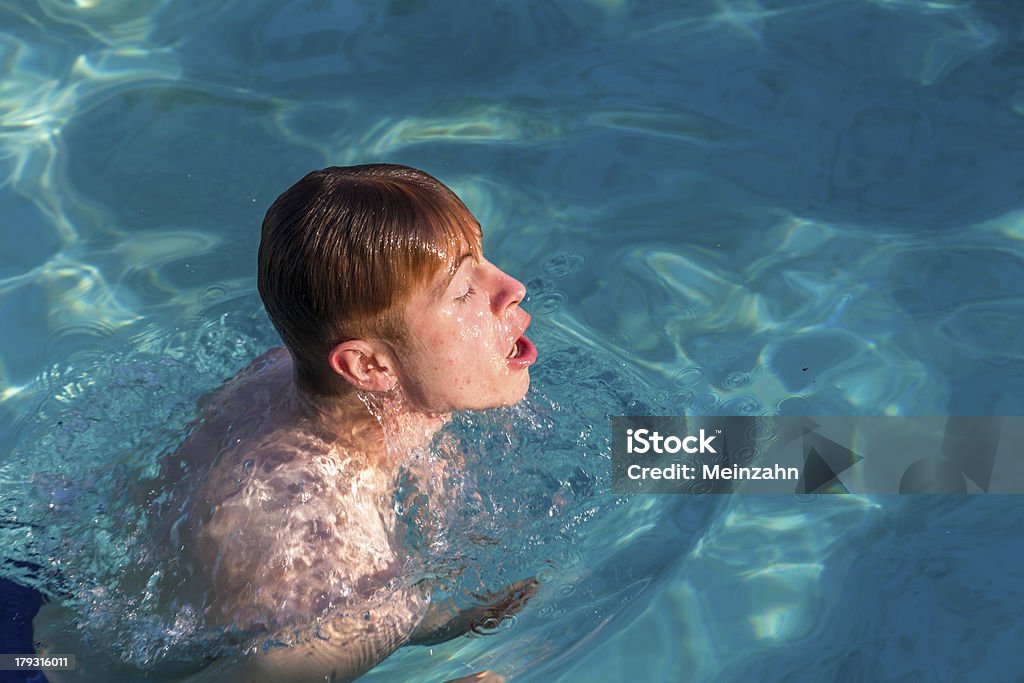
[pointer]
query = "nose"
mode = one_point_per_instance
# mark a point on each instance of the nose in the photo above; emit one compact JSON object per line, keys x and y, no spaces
{"x":509,"y":292}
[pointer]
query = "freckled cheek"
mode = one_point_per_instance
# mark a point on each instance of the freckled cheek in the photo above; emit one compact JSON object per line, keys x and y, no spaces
{"x":460,"y":350}
{"x":448,"y":360}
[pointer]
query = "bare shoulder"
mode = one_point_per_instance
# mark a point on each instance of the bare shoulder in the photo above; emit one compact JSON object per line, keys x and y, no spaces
{"x":281,"y":524}
{"x":245,"y":408}
{"x":271,"y":367}
{"x":291,"y":529}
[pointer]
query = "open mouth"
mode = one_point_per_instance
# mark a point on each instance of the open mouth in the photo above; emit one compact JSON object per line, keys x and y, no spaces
{"x":523,"y":353}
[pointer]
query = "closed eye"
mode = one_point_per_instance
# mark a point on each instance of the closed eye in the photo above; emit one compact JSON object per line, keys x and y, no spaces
{"x":465,"y":297}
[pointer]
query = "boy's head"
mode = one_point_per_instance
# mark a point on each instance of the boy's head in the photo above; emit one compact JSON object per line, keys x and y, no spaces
{"x":344,"y":249}
{"x":355,"y":267}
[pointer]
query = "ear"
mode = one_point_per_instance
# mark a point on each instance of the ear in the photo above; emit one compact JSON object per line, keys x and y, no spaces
{"x":366,"y":365}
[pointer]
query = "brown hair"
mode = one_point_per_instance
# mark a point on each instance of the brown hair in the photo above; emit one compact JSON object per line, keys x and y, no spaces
{"x":345,"y":247}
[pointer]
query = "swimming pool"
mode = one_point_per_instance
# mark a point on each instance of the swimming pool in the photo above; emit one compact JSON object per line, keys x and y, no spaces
{"x":736,"y":207}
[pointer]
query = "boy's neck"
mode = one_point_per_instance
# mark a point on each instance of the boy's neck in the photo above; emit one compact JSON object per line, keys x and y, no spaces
{"x":367,"y":419}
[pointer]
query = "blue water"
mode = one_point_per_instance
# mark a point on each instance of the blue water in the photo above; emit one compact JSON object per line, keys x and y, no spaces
{"x":731,"y":207}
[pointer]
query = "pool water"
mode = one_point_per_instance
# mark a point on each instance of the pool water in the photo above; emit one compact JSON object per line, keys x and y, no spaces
{"x":728,"y":207}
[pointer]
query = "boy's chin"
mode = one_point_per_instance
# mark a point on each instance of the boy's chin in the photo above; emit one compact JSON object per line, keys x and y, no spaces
{"x":501,"y":398}
{"x":509,"y":398}
{"x":517,"y":395}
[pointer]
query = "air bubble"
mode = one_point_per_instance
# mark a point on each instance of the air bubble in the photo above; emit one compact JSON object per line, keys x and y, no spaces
{"x":688,"y":376}
{"x":561,"y":264}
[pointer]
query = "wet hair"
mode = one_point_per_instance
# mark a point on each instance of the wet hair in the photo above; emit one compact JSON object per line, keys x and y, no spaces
{"x":343,"y":249}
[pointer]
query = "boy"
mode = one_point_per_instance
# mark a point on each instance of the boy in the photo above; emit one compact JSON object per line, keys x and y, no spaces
{"x":392,"y":319}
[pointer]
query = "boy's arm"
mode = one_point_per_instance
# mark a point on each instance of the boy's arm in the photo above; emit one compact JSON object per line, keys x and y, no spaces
{"x":267,"y":557}
{"x":287,"y":545}
{"x":443,"y":621}
{"x":338,"y":650}
{"x":343,"y":649}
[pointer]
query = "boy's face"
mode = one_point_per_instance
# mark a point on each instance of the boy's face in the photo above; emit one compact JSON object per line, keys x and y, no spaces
{"x":464,"y":347}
